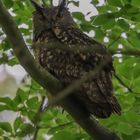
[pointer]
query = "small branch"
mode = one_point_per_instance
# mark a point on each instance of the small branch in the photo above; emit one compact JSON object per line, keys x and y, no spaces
{"x":130,"y":52}
{"x":37,"y":118}
{"x":122,"y":83}
{"x":114,"y":41}
{"x":61,"y":126}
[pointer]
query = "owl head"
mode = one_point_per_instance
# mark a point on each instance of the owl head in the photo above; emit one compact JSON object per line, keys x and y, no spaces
{"x":48,"y":17}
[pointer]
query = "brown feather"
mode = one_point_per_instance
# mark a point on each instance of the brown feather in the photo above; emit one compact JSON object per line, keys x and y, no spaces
{"x":96,"y":95}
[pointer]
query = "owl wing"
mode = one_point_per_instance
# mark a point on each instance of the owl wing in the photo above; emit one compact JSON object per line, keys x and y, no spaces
{"x":97,"y":93}
{"x":98,"y":96}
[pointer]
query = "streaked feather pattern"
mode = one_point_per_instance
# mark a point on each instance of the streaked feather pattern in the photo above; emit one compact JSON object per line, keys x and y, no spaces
{"x":95,"y":95}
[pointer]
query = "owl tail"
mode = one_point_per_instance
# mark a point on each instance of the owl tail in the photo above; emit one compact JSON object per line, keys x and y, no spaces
{"x":104,"y":110}
{"x":104,"y":103}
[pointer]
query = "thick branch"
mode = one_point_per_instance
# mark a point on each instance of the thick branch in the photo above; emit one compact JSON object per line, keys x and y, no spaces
{"x":90,"y":125}
{"x":89,"y":49}
{"x":24,"y":56}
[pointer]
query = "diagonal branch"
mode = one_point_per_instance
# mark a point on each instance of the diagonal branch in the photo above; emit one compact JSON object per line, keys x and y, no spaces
{"x":24,"y":56}
{"x":123,"y":84}
{"x":46,"y":80}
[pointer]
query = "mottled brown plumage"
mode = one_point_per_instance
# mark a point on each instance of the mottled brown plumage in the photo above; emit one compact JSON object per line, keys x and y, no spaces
{"x":55,"y":24}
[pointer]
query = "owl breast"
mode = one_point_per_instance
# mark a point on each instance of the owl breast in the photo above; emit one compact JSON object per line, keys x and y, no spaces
{"x":66,"y":66}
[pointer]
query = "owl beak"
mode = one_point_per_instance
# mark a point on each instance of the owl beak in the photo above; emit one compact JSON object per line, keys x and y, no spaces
{"x":37,"y":6}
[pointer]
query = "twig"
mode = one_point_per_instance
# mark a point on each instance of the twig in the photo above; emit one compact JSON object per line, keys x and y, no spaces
{"x":114,"y":41}
{"x":130,"y":52}
{"x":61,"y":126}
{"x":37,"y":118}
{"x":122,"y":83}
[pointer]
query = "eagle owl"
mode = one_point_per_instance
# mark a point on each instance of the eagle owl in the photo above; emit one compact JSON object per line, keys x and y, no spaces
{"x":55,"y":24}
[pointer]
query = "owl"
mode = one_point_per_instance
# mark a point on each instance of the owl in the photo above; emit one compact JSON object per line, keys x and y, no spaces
{"x":55,"y":24}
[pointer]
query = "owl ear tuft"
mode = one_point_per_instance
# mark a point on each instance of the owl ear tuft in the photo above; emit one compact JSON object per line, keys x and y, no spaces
{"x":36,"y":6}
{"x":63,"y":3}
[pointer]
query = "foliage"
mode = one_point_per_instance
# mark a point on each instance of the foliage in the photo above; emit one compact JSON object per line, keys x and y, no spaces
{"x":118,"y":21}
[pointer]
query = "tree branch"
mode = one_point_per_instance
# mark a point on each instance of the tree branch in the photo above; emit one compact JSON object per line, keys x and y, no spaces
{"x":36,"y":118}
{"x":88,"y":49}
{"x":24,"y":56}
{"x":46,"y":80}
{"x":123,"y":84}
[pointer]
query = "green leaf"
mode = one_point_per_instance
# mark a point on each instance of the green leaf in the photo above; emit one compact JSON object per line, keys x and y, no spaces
{"x":25,"y":129}
{"x":123,"y":24}
{"x":125,"y":128}
{"x":13,"y":61}
{"x":115,"y":2}
{"x":136,"y":71}
{"x":63,"y":135}
{"x":35,"y":86}
{"x":125,"y":2}
{"x":103,"y":19}
{"x":60,"y":127}
{"x":17,"y":123}
{"x":1,"y":132}
{"x":33,"y":103}
{"x":6,"y":126}
{"x":136,"y":84}
{"x":86,"y":27}
{"x":6,"y":138}
{"x":136,"y":3}
{"x":21,"y":96}
{"x":99,"y":34}
{"x":6,"y":44}
{"x":131,"y":116}
{"x":105,"y":8}
{"x":78,"y":15}
{"x":3,"y":107}
{"x":6,"y":100}
{"x":8,"y":3}
{"x":95,"y":2}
